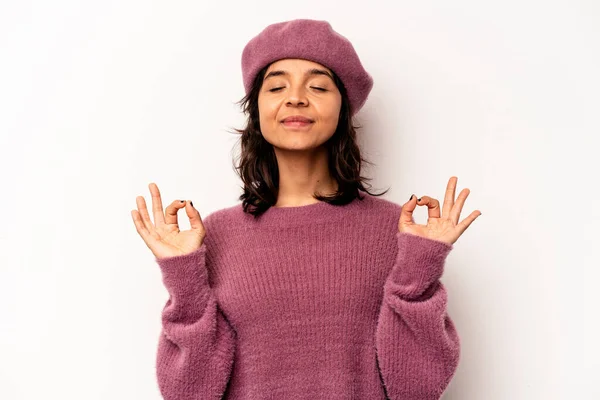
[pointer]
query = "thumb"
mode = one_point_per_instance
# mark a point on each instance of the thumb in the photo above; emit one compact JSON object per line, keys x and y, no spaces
{"x":194,"y":216}
{"x":406,"y":213}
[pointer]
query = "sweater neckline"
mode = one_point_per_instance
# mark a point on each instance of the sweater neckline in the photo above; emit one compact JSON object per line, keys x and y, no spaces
{"x":309,"y":213}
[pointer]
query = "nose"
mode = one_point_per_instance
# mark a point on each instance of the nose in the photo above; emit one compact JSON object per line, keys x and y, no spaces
{"x":296,"y":97}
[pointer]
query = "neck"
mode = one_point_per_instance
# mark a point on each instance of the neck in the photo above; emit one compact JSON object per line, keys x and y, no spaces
{"x":301,"y":174}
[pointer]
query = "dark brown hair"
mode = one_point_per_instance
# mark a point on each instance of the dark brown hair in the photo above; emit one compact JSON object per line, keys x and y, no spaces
{"x":258,"y":168}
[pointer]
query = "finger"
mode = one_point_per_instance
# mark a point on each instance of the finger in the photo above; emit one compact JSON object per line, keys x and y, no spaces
{"x":157,"y":208}
{"x":194,"y":216}
{"x":171,"y":211}
{"x":406,"y":214}
{"x":139,"y":224}
{"x":433,"y":206}
{"x":143,"y":210}
{"x":464,"y":224}
{"x":140,"y":227}
{"x":458,"y":206}
{"x":449,"y":196}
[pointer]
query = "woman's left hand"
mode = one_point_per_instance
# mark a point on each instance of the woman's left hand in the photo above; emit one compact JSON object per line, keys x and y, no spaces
{"x":444,"y":228}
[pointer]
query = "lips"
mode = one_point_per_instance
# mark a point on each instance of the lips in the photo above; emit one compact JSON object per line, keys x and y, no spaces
{"x":297,"y":118}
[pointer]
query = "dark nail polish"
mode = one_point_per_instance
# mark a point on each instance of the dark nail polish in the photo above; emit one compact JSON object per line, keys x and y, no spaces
{"x":419,"y":199}
{"x":191,"y":204}
{"x":181,"y":201}
{"x":411,"y":196}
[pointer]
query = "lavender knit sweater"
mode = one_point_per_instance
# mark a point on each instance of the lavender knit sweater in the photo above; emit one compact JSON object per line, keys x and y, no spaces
{"x":309,"y":302}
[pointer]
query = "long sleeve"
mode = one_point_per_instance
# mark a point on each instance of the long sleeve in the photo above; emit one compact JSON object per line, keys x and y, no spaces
{"x":417,"y":345}
{"x":196,"y":346}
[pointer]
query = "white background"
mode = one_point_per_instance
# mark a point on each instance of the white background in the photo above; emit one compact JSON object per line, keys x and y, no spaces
{"x":98,"y":99}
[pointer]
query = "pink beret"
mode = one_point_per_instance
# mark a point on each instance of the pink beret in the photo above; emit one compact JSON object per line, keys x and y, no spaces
{"x":310,"y":40}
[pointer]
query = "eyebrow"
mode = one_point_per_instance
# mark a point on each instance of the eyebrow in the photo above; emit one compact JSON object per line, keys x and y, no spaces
{"x":312,"y":71}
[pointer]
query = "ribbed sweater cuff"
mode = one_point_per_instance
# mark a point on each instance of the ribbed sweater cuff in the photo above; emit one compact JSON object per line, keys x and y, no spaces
{"x":419,"y":264}
{"x":185,"y":276}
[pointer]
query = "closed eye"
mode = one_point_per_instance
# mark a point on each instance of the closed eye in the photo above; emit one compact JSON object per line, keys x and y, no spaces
{"x":314,"y":87}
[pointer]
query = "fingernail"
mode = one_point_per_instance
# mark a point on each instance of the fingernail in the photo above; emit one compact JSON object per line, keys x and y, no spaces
{"x":191,"y":204}
{"x":411,"y":196}
{"x":183,"y":201}
{"x":419,"y":199}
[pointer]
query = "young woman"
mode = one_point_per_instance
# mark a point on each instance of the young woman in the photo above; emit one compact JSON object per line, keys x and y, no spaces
{"x":311,"y":287}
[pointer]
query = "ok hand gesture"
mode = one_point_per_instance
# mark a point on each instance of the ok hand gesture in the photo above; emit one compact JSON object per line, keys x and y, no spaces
{"x":163,"y":236}
{"x":446,"y":227}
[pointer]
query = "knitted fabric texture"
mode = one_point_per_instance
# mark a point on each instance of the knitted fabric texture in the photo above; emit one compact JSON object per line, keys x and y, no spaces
{"x":312,"y":40}
{"x":310,"y":302}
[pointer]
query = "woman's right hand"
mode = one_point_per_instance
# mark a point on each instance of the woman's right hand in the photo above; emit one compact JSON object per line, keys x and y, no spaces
{"x":163,"y":237}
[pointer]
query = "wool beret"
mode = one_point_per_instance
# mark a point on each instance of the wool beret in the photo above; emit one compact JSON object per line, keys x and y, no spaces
{"x":312,"y":40}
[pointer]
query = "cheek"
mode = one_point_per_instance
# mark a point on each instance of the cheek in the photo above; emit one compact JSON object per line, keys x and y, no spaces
{"x":330,"y":109}
{"x":267,"y":110}
{"x":267,"y":117}
{"x":332,"y":115}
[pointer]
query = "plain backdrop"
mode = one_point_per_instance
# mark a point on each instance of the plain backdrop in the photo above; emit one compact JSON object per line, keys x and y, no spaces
{"x":98,"y":99}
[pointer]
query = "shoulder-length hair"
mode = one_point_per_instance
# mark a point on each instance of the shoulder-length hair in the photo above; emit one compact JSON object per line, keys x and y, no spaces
{"x":257,"y":163}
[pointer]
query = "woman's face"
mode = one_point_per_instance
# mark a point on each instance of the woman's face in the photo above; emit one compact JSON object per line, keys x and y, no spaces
{"x":293,"y":87}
